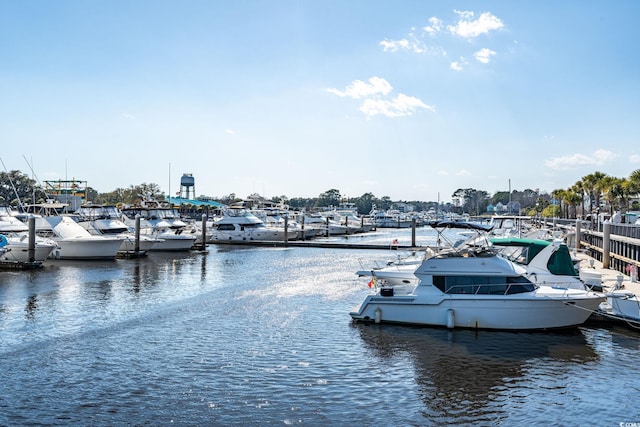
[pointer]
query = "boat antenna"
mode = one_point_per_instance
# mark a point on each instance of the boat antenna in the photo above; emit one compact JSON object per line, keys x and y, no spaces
{"x":33,"y":173}
{"x":31,"y":169}
{"x":15,"y":191}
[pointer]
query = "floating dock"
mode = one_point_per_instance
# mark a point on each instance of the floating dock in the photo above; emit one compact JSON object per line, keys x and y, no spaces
{"x":316,"y":244}
{"x":611,"y":280}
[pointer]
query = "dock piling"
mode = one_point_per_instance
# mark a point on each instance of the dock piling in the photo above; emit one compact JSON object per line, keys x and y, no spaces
{"x":204,"y":232}
{"x":32,"y":239}
{"x":136,"y":232}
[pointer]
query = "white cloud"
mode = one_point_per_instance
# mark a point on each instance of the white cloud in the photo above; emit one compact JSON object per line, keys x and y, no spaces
{"x":468,"y":28}
{"x":459,"y":65}
{"x":359,"y":89}
{"x":129,"y":116}
{"x":229,"y":132}
{"x":598,"y":158}
{"x":634,"y":158}
{"x":376,"y":100}
{"x":401,"y":105}
{"x":484,"y":55}
{"x":456,"y":66}
{"x":434,"y":27}
{"x":414,"y":46}
{"x":411,"y":43}
{"x":463,"y":172}
{"x":466,"y":25}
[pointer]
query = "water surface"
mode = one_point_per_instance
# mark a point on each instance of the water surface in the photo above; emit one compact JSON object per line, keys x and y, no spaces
{"x":244,"y":336}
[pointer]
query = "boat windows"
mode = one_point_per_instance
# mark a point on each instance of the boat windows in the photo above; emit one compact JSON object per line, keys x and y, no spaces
{"x":519,"y":255}
{"x":561,"y":264}
{"x":226,"y":227}
{"x":483,"y":285}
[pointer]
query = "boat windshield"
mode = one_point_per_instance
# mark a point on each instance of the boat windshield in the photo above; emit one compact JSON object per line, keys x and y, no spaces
{"x":483,"y":285}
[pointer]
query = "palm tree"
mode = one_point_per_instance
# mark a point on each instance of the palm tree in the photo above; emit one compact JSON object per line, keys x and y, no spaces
{"x":578,"y":188}
{"x":634,"y":183}
{"x":559,"y":195}
{"x":592,"y":184}
{"x":620,"y":190}
{"x":607,"y":186}
{"x":571,"y":198}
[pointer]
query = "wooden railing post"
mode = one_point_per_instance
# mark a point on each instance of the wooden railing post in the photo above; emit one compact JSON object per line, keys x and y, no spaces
{"x":606,"y":245}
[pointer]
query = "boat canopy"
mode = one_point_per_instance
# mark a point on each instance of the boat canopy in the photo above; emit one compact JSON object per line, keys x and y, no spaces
{"x":560,"y":262}
{"x":461,"y":225}
{"x":178,"y":201}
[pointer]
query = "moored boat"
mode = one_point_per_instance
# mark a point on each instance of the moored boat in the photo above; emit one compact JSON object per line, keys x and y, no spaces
{"x":241,"y":224}
{"x":74,"y":242}
{"x":471,"y":286}
{"x":16,"y":234}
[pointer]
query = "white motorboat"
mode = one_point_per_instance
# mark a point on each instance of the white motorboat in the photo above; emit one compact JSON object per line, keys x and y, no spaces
{"x":74,"y":242}
{"x":107,"y":220}
{"x":397,"y":273}
{"x":623,"y":305}
{"x":163,"y":225}
{"x":347,"y":223}
{"x":349,"y":212}
{"x":274,"y":219}
{"x":240,"y":224}
{"x":473,"y":287}
{"x":16,"y":234}
{"x":390,"y":219}
{"x":321,"y":225}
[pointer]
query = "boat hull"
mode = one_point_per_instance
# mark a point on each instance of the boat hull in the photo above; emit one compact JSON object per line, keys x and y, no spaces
{"x":265,"y":236}
{"x":19,"y":252}
{"x":87,"y":248}
{"x":172,"y":244}
{"x":478,"y":312}
{"x":625,"y":306}
{"x":145,"y":244}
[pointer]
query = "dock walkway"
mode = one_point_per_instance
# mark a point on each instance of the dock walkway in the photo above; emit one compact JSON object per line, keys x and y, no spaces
{"x":612,"y":280}
{"x":610,"y":277}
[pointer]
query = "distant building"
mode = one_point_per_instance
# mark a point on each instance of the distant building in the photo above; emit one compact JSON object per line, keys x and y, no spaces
{"x":404,"y":207}
{"x":514,"y":208}
{"x":71,"y":192}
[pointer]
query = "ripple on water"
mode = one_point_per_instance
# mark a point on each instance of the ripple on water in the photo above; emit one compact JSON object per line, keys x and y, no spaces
{"x":247,"y":336}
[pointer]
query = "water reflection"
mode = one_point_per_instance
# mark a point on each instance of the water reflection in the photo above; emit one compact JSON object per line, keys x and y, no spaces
{"x":32,"y":307}
{"x":626,"y":337}
{"x":461,"y":374}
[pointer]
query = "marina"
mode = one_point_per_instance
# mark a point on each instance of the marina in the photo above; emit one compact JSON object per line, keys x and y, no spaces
{"x":319,"y":213}
{"x":241,"y":334}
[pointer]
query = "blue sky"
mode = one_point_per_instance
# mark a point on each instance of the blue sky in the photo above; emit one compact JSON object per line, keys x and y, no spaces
{"x":408,"y":99}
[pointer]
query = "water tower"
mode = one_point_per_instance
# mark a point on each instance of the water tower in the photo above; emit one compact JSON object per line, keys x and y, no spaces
{"x":187,"y":186}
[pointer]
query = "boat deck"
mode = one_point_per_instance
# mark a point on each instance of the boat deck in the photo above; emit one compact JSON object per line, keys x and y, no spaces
{"x":610,"y":277}
{"x":612,"y":280}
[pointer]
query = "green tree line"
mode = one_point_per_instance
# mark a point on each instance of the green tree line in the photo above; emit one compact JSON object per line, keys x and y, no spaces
{"x":592,"y":194}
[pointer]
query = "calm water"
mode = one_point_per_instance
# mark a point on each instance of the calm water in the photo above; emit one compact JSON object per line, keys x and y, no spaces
{"x":243,"y":336}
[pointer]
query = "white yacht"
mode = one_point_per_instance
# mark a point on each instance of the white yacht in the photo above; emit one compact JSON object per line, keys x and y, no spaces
{"x":107,"y":220}
{"x":390,"y":219}
{"x":348,"y":223}
{"x":240,"y":224}
{"x":163,"y":225}
{"x":471,"y":286}
{"x":321,"y":225}
{"x":276,"y":219}
{"x":16,"y":234}
{"x":74,"y":242}
{"x":623,"y":305}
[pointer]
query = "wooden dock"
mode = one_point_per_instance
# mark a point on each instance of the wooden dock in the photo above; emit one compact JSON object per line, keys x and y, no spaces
{"x":612,"y":280}
{"x":315,"y":244}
